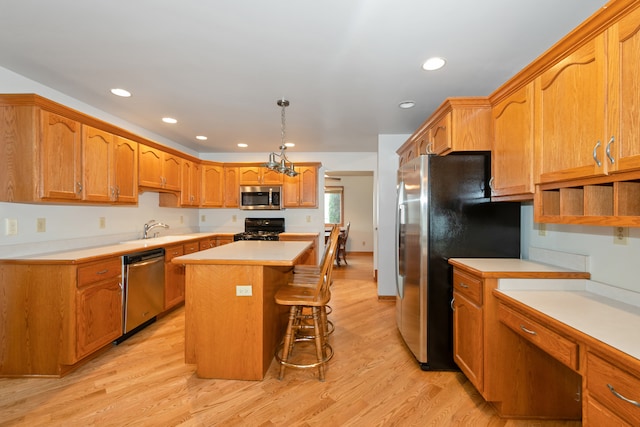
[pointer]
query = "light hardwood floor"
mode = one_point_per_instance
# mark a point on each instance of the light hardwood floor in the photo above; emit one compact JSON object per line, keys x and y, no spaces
{"x":372,"y":380}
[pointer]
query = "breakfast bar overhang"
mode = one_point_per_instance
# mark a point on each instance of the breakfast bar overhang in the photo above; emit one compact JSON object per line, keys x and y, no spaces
{"x":232,"y":324}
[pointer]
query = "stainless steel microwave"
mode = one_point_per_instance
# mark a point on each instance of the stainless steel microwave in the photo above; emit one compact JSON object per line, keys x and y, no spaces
{"x":261,"y":197}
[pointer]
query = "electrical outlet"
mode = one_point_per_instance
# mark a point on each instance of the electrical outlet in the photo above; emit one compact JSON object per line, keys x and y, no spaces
{"x":244,"y":290}
{"x":620,"y":235}
{"x":308,"y":218}
{"x":41,"y":225}
{"x":181,"y":219}
{"x":11,"y":226}
{"x":542,"y":229}
{"x":234,"y":218}
{"x":102,"y":222}
{"x":203,"y":218}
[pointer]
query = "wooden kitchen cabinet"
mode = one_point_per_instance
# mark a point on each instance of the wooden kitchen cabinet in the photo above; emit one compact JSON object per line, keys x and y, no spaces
{"x":98,"y":305}
{"x":54,"y":315}
{"x":468,"y":347}
{"x":191,"y":183}
{"x":512,"y":153}
{"x":259,"y":175}
{"x":570,"y":115}
{"x":109,"y":165}
{"x":159,"y":169}
{"x":212,"y":185}
{"x":174,"y":275}
{"x":602,"y":406}
{"x":460,"y":124}
{"x":231,"y":186}
{"x":512,"y":375}
{"x":301,"y":191}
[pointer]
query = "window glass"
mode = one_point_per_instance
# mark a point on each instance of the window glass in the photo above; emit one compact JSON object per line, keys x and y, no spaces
{"x":333,"y":205}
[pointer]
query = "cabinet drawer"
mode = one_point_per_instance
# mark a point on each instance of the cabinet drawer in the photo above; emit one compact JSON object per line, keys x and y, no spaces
{"x":468,"y":285}
{"x":191,"y":247}
{"x":602,"y":377}
{"x":207,"y":244}
{"x":561,"y":348}
{"x":172,"y":252}
{"x":98,"y":271}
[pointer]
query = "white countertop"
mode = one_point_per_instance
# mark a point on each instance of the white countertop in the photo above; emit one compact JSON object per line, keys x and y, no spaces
{"x":249,"y":252}
{"x":115,"y":249}
{"x":612,"y":322}
{"x":513,"y":267}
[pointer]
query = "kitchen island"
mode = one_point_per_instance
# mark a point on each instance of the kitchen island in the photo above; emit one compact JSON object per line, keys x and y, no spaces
{"x":232,"y":323}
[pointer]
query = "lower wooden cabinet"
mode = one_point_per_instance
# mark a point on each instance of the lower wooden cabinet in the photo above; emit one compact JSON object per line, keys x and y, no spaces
{"x":173,"y":277}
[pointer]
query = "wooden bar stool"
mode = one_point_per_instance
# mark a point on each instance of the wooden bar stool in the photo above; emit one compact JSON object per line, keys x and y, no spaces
{"x":311,"y":297}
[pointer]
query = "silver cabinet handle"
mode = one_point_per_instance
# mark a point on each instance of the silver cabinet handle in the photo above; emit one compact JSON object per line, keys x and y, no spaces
{"x":452,"y":301}
{"x":491,"y":183}
{"x":619,"y":396}
{"x":595,"y":154}
{"x":430,"y":148}
{"x":79,"y":187}
{"x":608,"y":150}
{"x":463,"y":285}
{"x":529,"y":331}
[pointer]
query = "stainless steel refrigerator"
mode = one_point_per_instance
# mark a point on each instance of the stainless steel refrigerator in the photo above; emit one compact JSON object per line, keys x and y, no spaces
{"x":444,"y":211}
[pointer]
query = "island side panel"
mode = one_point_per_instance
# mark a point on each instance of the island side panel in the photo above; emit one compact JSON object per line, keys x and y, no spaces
{"x":229,"y":336}
{"x":275,"y":316}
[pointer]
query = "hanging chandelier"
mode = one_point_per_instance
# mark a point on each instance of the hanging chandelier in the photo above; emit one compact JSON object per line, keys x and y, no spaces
{"x":283,"y":165}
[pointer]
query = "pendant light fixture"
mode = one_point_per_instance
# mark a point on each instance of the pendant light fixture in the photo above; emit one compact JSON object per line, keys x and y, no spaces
{"x":283,"y":165}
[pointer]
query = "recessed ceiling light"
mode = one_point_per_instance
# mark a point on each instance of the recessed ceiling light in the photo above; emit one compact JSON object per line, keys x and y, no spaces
{"x":289,"y":144}
{"x":433,"y":64}
{"x":169,"y":120}
{"x":407,"y":104}
{"x":242,"y":145}
{"x":201,"y":137}
{"x":121,"y":92}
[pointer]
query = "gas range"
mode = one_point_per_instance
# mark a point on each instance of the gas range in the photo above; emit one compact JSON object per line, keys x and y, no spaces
{"x":261,"y":229}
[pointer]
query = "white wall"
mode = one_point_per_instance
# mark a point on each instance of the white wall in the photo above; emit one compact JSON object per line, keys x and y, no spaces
{"x":386,"y":191}
{"x":616,"y":265}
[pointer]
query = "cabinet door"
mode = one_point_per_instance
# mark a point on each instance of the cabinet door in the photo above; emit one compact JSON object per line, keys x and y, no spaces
{"x":60,"y":157}
{"x":97,"y":165}
{"x":212,"y":186}
{"x":190,"y":187}
{"x":441,"y":134}
{"x":623,"y":144}
{"x":270,"y":177}
{"x":308,"y":186}
{"x":171,"y":171}
{"x":125,"y":172}
{"x":174,"y":277}
{"x":512,"y":151}
{"x":98,"y":316}
{"x":150,"y":167}
{"x":467,"y":339}
{"x":231,"y":186}
{"x":250,"y":175}
{"x":570,"y":116}
{"x":291,"y":191}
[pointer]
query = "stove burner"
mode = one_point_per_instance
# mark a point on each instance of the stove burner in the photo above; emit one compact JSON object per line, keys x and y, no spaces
{"x":261,"y":229}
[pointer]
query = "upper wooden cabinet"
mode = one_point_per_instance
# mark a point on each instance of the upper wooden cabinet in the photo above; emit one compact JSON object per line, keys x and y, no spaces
{"x":622,"y":149}
{"x":301,"y":191}
{"x":231,"y":186}
{"x":212,"y":185}
{"x":460,"y":124}
{"x":570,"y":115}
{"x":191,"y":183}
{"x":512,"y":149}
{"x":159,"y":169}
{"x":109,"y":164}
{"x":258,"y":175}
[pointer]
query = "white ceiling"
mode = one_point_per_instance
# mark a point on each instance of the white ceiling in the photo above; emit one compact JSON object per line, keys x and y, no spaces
{"x":219,"y":66}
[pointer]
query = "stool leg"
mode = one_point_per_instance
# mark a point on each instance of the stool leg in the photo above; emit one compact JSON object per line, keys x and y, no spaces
{"x":288,"y":341}
{"x":319,"y":339}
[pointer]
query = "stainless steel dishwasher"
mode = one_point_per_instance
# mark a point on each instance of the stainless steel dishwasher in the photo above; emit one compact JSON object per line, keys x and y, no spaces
{"x":143,"y":274}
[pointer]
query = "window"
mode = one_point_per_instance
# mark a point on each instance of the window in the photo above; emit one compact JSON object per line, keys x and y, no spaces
{"x":333,"y":205}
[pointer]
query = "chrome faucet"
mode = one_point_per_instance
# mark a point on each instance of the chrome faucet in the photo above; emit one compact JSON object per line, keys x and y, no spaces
{"x":150,"y":226}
